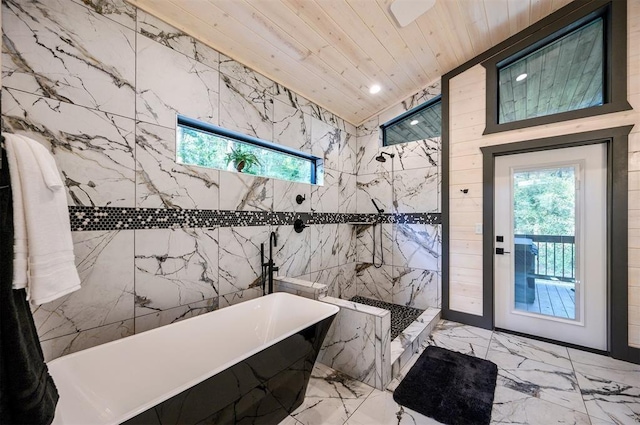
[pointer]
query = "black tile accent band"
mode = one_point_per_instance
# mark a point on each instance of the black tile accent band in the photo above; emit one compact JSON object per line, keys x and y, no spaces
{"x":121,"y":218}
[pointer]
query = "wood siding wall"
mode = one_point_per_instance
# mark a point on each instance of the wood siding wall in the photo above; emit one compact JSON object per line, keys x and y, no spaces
{"x":467,"y":122}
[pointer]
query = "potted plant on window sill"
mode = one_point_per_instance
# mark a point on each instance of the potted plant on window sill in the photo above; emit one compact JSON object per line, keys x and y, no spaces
{"x":241,"y":159}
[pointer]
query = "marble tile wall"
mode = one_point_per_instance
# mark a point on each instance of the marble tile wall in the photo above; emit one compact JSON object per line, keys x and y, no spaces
{"x":100,"y":87}
{"x":358,"y":342}
{"x":408,"y":271}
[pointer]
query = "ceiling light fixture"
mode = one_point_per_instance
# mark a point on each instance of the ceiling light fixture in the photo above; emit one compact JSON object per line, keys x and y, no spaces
{"x":414,"y":122}
{"x":374,"y":89}
{"x":521,"y":77}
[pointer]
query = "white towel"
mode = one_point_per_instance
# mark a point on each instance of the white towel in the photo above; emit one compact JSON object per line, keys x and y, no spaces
{"x":43,"y":249}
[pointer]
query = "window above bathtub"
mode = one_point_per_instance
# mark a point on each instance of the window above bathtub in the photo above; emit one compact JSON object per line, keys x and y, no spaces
{"x":572,"y":68}
{"x":422,"y":122}
{"x":206,"y":145}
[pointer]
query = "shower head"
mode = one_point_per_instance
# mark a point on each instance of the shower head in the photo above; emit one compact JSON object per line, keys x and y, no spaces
{"x":381,"y":158}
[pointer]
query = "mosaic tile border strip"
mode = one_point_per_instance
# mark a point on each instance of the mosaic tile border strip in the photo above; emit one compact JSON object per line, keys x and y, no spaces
{"x":119,"y":218}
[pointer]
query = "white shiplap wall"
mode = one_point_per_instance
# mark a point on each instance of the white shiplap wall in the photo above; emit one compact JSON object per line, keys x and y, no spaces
{"x":467,"y":122}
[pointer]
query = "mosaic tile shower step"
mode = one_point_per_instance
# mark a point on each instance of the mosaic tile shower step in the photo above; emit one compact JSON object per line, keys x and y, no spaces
{"x":121,"y":218}
{"x":401,"y":316}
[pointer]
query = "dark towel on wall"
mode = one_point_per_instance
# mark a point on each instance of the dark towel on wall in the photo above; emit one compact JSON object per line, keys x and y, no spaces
{"x":27,"y":392}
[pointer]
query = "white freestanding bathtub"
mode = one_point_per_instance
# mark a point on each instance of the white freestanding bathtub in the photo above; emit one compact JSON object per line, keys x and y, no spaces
{"x":246,"y":363}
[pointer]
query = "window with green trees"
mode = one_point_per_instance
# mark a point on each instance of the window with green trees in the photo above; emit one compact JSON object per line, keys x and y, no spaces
{"x":206,"y":145}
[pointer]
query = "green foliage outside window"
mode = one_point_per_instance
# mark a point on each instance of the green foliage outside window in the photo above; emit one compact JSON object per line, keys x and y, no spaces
{"x":544,"y":202}
{"x":209,"y":150}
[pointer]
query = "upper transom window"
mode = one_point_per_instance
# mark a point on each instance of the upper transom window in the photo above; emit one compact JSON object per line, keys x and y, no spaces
{"x":419,"y":123}
{"x":562,"y":76}
{"x":567,"y":66}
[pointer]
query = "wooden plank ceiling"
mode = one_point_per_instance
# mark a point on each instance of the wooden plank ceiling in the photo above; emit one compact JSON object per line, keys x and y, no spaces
{"x":332,"y":51}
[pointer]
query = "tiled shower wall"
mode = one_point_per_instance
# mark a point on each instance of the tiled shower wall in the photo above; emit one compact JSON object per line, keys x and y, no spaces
{"x":101,"y":87}
{"x":408,"y":183}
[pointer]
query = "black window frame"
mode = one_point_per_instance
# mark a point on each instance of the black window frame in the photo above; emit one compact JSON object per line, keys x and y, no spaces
{"x":214,"y":130}
{"x":429,"y":103}
{"x":614,"y":14}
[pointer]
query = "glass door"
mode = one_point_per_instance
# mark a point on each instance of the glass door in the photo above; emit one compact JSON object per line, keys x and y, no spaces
{"x":550,"y":247}
{"x":544,"y":231}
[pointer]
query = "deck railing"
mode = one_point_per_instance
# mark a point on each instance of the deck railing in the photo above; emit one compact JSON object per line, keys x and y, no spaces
{"x":555,"y":257}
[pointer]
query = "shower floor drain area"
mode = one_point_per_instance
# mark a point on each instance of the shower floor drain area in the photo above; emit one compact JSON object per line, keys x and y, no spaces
{"x":401,"y":316}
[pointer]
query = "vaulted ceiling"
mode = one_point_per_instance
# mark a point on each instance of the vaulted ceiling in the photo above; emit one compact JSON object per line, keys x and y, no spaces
{"x":332,"y":51}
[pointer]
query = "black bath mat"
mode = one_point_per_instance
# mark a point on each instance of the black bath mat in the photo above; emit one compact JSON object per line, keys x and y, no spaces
{"x":450,"y":387}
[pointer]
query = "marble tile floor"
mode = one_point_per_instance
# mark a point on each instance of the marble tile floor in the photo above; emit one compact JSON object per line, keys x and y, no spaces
{"x":538,"y":383}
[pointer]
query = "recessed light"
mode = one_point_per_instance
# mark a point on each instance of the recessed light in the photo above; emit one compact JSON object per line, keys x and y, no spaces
{"x":521,"y":77}
{"x":374,"y":89}
{"x":414,"y":122}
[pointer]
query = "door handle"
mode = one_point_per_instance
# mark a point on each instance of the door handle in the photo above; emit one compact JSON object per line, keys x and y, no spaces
{"x":501,"y":251}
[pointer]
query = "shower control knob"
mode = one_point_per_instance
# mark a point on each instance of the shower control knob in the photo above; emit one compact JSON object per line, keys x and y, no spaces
{"x":299,"y":226}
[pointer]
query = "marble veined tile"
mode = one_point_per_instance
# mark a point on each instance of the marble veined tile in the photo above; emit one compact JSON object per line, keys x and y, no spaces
{"x":94,"y":150}
{"x":319,"y":113}
{"x":610,"y":401}
{"x":466,"y":333}
{"x":169,"y":83}
{"x":244,"y":192}
{"x":368,"y":237}
{"x":422,"y":96}
{"x":293,"y":99}
{"x":347,"y":193}
{"x":285,"y":193}
{"x":417,"y":246}
{"x":331,"y":397}
{"x":246,"y":75}
{"x":373,"y":186}
{"x":57,"y":347}
{"x":106,"y":293}
{"x":291,"y":127}
{"x":165,"y":34}
{"x":292,"y":254}
{"x":416,"y":190}
{"x":349,"y":347}
{"x":116,"y":10}
{"x":514,"y":407}
{"x":347,"y":244}
{"x":536,"y":379}
{"x":175,"y":267}
{"x":381,"y":409}
{"x":239,"y":297}
{"x":348,"y":284}
{"x":325,"y":143}
{"x":373,"y":282}
{"x":68,"y":52}
{"x":326,"y":197}
{"x":418,"y":154}
{"x":383,"y":351}
{"x":531,"y":349}
{"x":459,"y":345}
{"x":348,"y":153}
{"x":332,"y":278}
{"x":174,"y":315}
{"x":161,"y":182}
{"x":415,"y":287}
{"x":246,"y":109}
{"x":325,"y":246}
{"x":240,"y":257}
{"x":606,"y":368}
